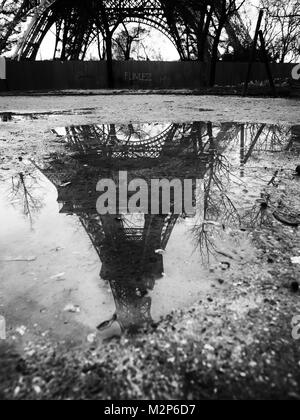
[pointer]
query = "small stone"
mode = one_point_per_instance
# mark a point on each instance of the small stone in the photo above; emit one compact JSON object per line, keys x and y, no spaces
{"x":72,"y":308}
{"x":253,"y":364}
{"x":21,"y":330}
{"x":17,"y":391}
{"x":37,"y":389}
{"x":160,"y":251}
{"x":91,"y":338}
{"x":209,"y":348}
{"x":66,"y":184}
{"x":58,"y":277}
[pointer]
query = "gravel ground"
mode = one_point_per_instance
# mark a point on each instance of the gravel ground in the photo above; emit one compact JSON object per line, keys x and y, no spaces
{"x":148,"y":108}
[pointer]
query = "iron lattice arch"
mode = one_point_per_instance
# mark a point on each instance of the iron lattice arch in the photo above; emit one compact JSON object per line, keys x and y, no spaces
{"x":79,"y":23}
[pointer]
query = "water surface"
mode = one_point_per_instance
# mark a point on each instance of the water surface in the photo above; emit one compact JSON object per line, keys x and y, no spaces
{"x":66,"y":270}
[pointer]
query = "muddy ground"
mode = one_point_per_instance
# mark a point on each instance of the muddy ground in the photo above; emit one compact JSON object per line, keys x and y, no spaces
{"x":234,"y":343}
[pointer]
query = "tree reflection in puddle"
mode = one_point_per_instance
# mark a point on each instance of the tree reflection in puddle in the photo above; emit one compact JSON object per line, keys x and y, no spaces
{"x":25,"y":194}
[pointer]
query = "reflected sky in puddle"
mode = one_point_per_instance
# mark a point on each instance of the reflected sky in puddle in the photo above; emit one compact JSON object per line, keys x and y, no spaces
{"x":31,"y":116}
{"x":125,"y":271}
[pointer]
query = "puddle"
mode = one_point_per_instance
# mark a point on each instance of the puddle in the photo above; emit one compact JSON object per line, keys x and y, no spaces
{"x":65,"y":269}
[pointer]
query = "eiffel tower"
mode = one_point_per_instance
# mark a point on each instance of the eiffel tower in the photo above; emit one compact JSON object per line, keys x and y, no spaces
{"x":79,"y":23}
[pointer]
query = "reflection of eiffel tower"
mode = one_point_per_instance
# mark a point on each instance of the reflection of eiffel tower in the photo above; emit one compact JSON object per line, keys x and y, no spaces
{"x":131,"y":264}
{"x":129,"y":246}
{"x":129,"y":142}
{"x":87,"y":139}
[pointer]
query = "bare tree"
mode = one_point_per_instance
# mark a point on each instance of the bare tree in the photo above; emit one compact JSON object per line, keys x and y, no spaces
{"x":25,"y":194}
{"x":128,"y":42}
{"x":223,"y":12}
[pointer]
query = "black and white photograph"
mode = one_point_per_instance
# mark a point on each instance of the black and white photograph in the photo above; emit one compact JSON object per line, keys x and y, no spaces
{"x":149,"y":203}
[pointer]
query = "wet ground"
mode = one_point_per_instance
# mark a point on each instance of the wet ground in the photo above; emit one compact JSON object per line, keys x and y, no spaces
{"x":72,"y":276}
{"x":77,"y":109}
{"x":65,"y":269}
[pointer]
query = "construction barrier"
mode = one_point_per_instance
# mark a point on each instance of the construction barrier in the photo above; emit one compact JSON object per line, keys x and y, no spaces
{"x":56,"y":75}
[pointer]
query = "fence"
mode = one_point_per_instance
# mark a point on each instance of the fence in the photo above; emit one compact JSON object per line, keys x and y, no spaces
{"x":56,"y":75}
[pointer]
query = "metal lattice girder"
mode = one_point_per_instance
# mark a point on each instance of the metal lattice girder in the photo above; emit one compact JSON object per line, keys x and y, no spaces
{"x":79,"y":22}
{"x":38,"y":7}
{"x":91,"y":140}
